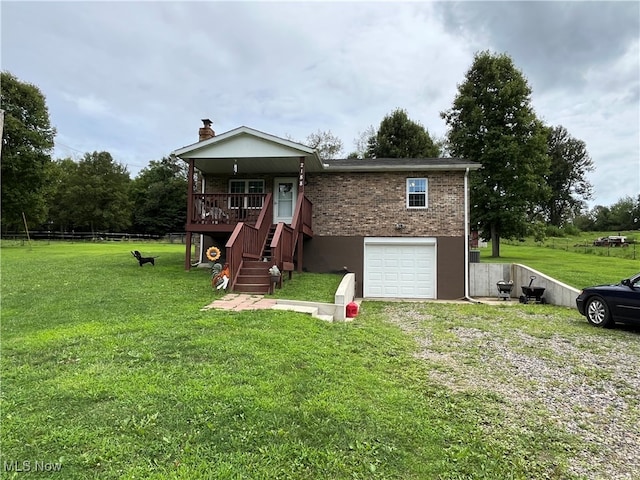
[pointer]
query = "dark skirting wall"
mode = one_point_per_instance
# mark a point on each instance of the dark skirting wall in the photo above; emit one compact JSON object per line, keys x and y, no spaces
{"x":333,"y":254}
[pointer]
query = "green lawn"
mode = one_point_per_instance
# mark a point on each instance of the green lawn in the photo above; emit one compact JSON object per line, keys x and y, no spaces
{"x":113,"y":371}
{"x":576,"y":267}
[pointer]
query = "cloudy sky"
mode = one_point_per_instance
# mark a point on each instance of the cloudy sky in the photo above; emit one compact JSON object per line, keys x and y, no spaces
{"x":135,"y":78}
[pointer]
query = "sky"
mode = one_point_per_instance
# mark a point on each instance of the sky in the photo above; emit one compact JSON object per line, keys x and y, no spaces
{"x":136,"y":78}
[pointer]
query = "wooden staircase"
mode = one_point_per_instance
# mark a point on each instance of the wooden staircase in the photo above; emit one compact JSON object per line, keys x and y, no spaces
{"x":254,"y":274}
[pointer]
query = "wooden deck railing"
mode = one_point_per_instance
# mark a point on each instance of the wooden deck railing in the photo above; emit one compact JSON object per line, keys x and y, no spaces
{"x":247,"y":241}
{"x":283,"y":246}
{"x":288,"y":238}
{"x":231,"y":208}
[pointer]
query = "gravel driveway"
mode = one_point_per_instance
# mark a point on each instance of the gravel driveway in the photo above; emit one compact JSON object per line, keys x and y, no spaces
{"x":583,"y":379}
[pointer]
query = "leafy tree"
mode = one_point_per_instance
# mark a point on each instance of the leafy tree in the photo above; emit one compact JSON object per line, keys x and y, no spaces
{"x":400,"y":137}
{"x":569,"y":188}
{"x":27,"y":142}
{"x":492,"y":122}
{"x":92,"y":194}
{"x":159,"y":194}
{"x":622,"y":214}
{"x":326,"y":143}
{"x":62,"y":208}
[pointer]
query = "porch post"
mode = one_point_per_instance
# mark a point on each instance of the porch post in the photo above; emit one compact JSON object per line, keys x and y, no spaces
{"x":301,"y":177}
{"x":187,"y":257}
{"x":300,"y":235}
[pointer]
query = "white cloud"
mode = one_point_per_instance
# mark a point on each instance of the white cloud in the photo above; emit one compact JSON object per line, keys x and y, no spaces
{"x":135,"y":78}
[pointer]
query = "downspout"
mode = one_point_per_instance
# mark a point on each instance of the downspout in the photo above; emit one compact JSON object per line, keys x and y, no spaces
{"x":466,"y":238}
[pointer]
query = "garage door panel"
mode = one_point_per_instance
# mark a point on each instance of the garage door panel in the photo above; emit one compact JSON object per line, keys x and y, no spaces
{"x":398,"y":270}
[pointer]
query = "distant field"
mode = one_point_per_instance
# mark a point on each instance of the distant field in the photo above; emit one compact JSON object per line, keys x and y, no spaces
{"x":572,"y":260}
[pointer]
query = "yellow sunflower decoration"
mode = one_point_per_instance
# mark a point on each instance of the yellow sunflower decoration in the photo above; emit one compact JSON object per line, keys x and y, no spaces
{"x":213,"y":254}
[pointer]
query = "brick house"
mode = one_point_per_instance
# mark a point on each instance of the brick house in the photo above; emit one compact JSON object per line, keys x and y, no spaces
{"x":401,"y":225}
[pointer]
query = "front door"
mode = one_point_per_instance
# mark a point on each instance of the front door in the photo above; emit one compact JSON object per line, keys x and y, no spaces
{"x":285,"y":194}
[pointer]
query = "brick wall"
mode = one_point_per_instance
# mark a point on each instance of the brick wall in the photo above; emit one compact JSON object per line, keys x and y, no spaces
{"x":368,"y":204}
{"x":371,"y":204}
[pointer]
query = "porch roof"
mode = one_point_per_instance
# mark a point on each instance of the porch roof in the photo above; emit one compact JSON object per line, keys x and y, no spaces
{"x":252,"y":151}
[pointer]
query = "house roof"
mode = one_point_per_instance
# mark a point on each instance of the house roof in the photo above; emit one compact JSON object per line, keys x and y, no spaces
{"x":247,"y":150}
{"x":250,"y":151}
{"x":397,"y":164}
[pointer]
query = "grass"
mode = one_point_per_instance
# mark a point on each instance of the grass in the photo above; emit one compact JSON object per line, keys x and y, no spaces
{"x":113,"y":371}
{"x":574,"y":268}
{"x":312,"y":287}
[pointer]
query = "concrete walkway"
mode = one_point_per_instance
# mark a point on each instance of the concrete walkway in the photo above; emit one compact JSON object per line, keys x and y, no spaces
{"x":245,"y":301}
{"x":241,"y":301}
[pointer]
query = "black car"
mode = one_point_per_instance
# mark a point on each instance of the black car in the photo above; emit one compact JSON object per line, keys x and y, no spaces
{"x":606,"y":304}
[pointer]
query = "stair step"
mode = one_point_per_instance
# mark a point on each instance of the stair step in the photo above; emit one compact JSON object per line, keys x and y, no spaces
{"x":259,"y":278}
{"x":251,"y":288}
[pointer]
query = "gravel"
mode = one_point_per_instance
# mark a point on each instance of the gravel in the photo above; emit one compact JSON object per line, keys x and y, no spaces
{"x":587,"y":382}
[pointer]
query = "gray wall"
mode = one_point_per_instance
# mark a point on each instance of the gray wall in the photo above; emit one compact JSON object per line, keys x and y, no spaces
{"x":484,"y":276}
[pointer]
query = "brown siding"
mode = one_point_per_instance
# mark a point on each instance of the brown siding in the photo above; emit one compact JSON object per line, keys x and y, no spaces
{"x":332,"y":254}
{"x":450,"y":267}
{"x":371,"y":204}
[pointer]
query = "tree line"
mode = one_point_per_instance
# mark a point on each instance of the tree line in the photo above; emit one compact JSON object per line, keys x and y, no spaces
{"x":533,"y":175}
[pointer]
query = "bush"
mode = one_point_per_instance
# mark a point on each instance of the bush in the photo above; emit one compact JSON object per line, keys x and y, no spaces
{"x":571,"y":230}
{"x":553,"y":231}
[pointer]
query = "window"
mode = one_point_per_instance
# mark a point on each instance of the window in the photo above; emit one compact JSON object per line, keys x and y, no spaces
{"x":253,"y":190}
{"x":417,"y":193}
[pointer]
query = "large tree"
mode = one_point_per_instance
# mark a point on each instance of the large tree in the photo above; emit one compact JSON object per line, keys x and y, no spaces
{"x":93,"y":194}
{"x":492,"y":122}
{"x":400,"y":137}
{"x":159,"y":193}
{"x":27,"y":142}
{"x":570,"y":162}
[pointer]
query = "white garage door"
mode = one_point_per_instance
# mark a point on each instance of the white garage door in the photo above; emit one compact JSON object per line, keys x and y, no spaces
{"x":400,"y":267}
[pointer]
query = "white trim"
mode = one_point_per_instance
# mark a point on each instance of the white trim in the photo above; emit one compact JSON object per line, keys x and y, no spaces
{"x":426,"y":193}
{"x":294,"y":182}
{"x":245,"y":130}
{"x":402,"y":241}
{"x":246,"y":187}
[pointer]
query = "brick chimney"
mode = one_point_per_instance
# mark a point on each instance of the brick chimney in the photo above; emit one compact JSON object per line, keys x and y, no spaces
{"x":206,"y":132}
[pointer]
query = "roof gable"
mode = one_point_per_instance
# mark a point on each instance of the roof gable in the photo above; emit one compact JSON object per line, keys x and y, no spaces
{"x":244,"y":142}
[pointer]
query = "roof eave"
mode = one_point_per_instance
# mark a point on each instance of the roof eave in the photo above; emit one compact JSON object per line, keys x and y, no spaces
{"x":399,"y":168}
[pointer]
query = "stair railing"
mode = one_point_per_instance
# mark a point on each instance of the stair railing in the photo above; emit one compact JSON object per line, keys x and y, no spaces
{"x":247,"y":241}
{"x":285,"y":239}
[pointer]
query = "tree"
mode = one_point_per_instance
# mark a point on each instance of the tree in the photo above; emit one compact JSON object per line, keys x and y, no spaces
{"x":361,"y":142}
{"x":569,"y":188}
{"x":622,"y":214}
{"x":326,"y":143}
{"x":159,"y":194}
{"x":492,"y":122}
{"x":26,"y":151}
{"x":93,"y":194}
{"x":400,"y":137}
{"x":62,"y":208}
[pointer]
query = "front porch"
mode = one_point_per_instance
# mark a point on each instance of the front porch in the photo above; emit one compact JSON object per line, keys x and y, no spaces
{"x":246,"y":188}
{"x":255,"y":242}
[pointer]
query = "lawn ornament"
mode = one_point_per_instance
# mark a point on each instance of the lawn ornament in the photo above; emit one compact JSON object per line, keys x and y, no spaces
{"x":142,"y":260}
{"x":220,"y":276}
